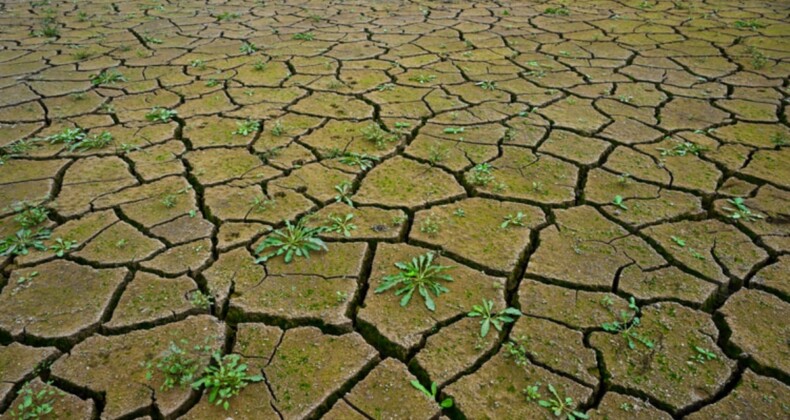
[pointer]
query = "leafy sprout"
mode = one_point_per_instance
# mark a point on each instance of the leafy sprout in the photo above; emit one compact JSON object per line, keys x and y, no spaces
{"x":35,"y":404}
{"x":248,"y":48}
{"x":562,"y":407}
{"x":29,"y":215}
{"x":341,"y":224}
{"x":62,"y":246}
{"x":515,"y":220}
{"x":304,"y":36}
{"x":107,"y":77}
{"x":481,"y":175}
{"x":618,"y":201}
{"x":446,"y":403}
{"x":740,"y":211}
{"x":245,"y":128}
{"x":420,"y":274}
{"x":344,"y":193}
{"x":176,"y":366}
{"x":22,"y":241}
{"x":95,"y":142}
{"x":295,"y":240}
{"x":487,"y":85}
{"x":488,"y":317}
{"x":627,"y":326}
{"x":226,"y":379}
{"x":364,"y":161}
{"x":162,"y":115}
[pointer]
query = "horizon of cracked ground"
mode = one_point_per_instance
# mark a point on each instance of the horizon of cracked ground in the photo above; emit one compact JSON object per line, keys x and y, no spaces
{"x":560,"y":159}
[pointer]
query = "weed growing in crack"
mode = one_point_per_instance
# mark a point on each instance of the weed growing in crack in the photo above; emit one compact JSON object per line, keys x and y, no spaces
{"x":378,"y":136}
{"x":627,"y":326}
{"x":618,"y":201}
{"x":245,"y":128}
{"x":780,"y":139}
{"x":200,"y":300}
{"x":68,"y":136}
{"x":22,"y":241}
{"x":751,"y":24}
{"x":702,"y":355}
{"x":226,"y":379}
{"x":259,"y":65}
{"x":445,"y":403}
{"x":517,"y":352}
{"x":344,"y":193}
{"x":177,"y":367}
{"x":431,"y":225}
{"x":34,"y":404}
{"x":740,"y":211}
{"x":758,"y":59}
{"x":488,"y":317}
{"x":304,"y":36}
{"x":363,"y":161}
{"x":89,"y":143}
{"x":295,"y":241}
{"x":341,"y":224}
{"x":161,"y":115}
{"x":437,"y":154}
{"x":385,"y":87}
{"x":169,"y":201}
{"x":261,"y":203}
{"x":29,"y":215}
{"x":453,"y":130}
{"x":81,"y":54}
{"x":107,"y":77}
{"x":48,"y":30}
{"x":227,"y":16}
{"x":62,"y":246}
{"x":198,"y":64}
{"x":683,"y":149}
{"x":278,"y":129}
{"x":513,"y":220}
{"x":557,"y":11}
{"x":212,"y":83}
{"x":422,"y":275}
{"x":561,"y":407}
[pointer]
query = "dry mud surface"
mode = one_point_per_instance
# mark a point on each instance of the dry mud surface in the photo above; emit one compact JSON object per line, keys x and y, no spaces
{"x":587,"y":163}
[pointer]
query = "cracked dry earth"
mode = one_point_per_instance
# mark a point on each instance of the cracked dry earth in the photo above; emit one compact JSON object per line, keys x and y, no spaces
{"x":638,"y":150}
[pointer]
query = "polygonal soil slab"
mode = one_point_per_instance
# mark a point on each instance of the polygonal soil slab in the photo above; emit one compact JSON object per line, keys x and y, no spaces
{"x":401,"y":182}
{"x":472,"y":229}
{"x":368,"y":222}
{"x":306,"y":371}
{"x":115,"y":366}
{"x":88,"y":179}
{"x":576,"y":309}
{"x":616,"y":406}
{"x":755,"y":320}
{"x":753,"y":397}
{"x":676,"y":372}
{"x":496,"y":390}
{"x":318,"y":290}
{"x":150,"y":299}
{"x":586,"y":249}
{"x":387,"y":393}
{"x":121,"y":243}
{"x":400,"y":329}
{"x":59,"y":300}
{"x":215,"y":166}
{"x":325,"y":104}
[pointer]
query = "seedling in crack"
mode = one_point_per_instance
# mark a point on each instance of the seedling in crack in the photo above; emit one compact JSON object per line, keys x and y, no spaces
{"x":422,"y":275}
{"x":34,"y":404}
{"x":627,"y":326}
{"x":344,"y":191}
{"x":557,"y":11}
{"x":750,"y":24}
{"x":453,"y":130}
{"x":200,"y":300}
{"x":161,"y":115}
{"x":562,"y":407}
{"x":341,"y":224}
{"x":278,"y":129}
{"x":176,"y":365}
{"x":29,"y":215}
{"x":430,"y":225}
{"x":702,"y":355}
{"x":304,"y":36}
{"x":514,"y":220}
{"x":245,"y":128}
{"x":94,"y":142}
{"x":294,"y":241}
{"x":374,"y":133}
{"x":248,"y":48}
{"x":385,"y":86}
{"x":107,"y":77}
{"x":261,"y":203}
{"x":481,"y":174}
{"x":226,"y":379}
{"x":364,"y":161}
{"x":423,"y":78}
{"x":488,"y":317}
{"x":739,"y":211}
{"x":445,"y":403}
{"x":683,"y":149}
{"x":169,"y":201}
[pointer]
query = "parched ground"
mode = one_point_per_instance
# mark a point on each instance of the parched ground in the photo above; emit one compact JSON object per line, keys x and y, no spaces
{"x":618,"y":171}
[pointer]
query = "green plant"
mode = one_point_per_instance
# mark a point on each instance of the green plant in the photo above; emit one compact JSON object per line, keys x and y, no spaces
{"x":364,"y":161}
{"x":420,"y":274}
{"x":107,"y":77}
{"x":227,"y":16}
{"x":515,"y":220}
{"x":683,"y":149}
{"x":385,"y":86}
{"x":48,"y":30}
{"x":627,"y":326}
{"x":296,"y":240}
{"x":759,"y":60}
{"x":751,"y":24}
{"x":151,"y":40}
{"x":489,"y":318}
{"x":201,"y":300}
{"x":67,"y":136}
{"x":562,"y":407}
{"x":453,"y":130}
{"x":226,"y":379}
{"x":248,"y":48}
{"x":278,"y":129}
{"x":517,"y":351}
{"x":212,"y":83}
{"x":446,"y":403}
{"x":94,"y":142}
{"x":459,"y":212}
{"x":259,"y":65}
{"x":780,"y":139}
{"x":34,"y":405}
{"x":374,"y":133}
{"x":169,"y":201}
{"x":486,"y":85}
{"x":29,"y":215}
{"x":62,"y":246}
{"x":618,"y":201}
{"x":741,"y":211}
{"x":176,"y":365}
{"x":162,"y":115}
{"x":81,"y":54}
{"x":304,"y":36}
{"x":557,"y":11}
{"x":481,"y":175}
{"x":344,"y":191}
{"x":261,"y":203}
{"x":198,"y":64}
{"x":245,"y":128}
{"x":341,"y":224}
{"x":22,"y":241}
{"x":423,"y":78}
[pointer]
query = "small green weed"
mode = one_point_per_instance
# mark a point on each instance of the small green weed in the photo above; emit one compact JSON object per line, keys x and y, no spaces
{"x":226,"y":379}
{"x":513,"y":220}
{"x":364,"y":161}
{"x":740,"y":211}
{"x":245,"y":128}
{"x":304,"y":36}
{"x":420,"y":274}
{"x":200,"y":300}
{"x":296,"y":240}
{"x":34,"y":405}
{"x":374,"y":133}
{"x":488,"y":317}
{"x":557,"y":11}
{"x":21,"y":242}
{"x":627,"y":326}
{"x":344,"y":192}
{"x":161,"y":115}
{"x":618,"y":201}
{"x":445,"y":403}
{"x":248,"y":48}
{"x":562,"y":407}
{"x":29,"y":215}
{"x":176,"y":365}
{"x":107,"y":77}
{"x":341,"y":224}
{"x":62,"y":246}
{"x":486,"y":85}
{"x":423,"y":78}
{"x":481,"y":174}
